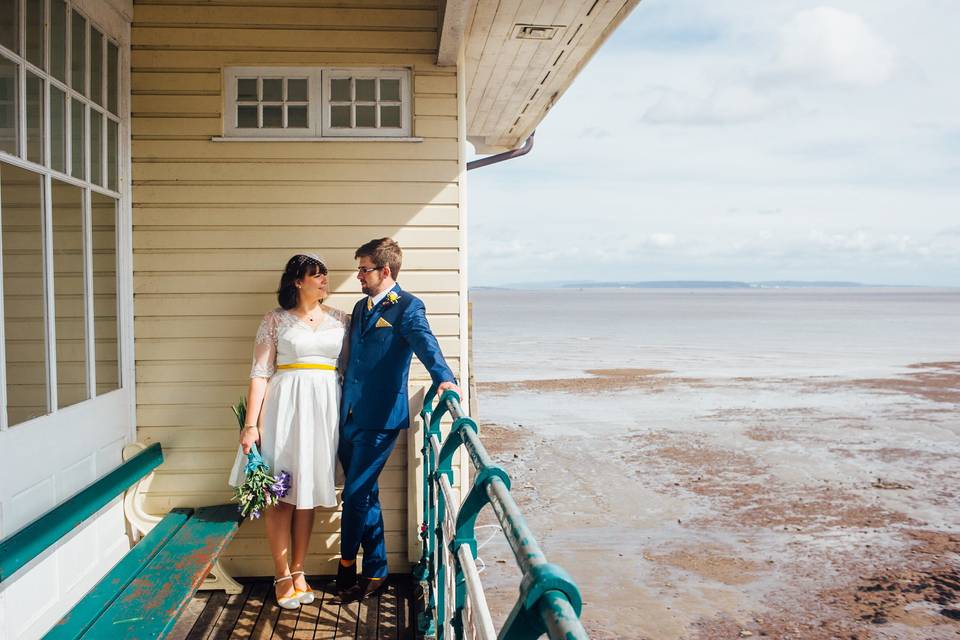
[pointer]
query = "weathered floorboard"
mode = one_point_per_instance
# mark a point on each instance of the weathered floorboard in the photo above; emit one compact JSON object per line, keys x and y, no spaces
{"x":250,"y":613}
{"x":229,"y":615}
{"x":254,"y":614}
{"x":190,"y":615}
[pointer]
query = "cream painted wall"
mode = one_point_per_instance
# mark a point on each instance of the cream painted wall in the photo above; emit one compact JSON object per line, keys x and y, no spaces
{"x":214,"y":223}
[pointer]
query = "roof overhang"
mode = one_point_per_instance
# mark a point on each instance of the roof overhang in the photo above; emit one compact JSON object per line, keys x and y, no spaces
{"x":520,"y":57}
{"x":453,"y":29}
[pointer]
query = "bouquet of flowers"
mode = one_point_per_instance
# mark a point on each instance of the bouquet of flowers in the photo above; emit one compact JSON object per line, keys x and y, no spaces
{"x":260,"y":489}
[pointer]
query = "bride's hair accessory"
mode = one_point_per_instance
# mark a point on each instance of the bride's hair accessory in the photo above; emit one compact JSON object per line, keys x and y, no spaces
{"x":298,"y":267}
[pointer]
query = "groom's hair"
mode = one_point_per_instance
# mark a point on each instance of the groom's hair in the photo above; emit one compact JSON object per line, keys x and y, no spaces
{"x":382,"y":252}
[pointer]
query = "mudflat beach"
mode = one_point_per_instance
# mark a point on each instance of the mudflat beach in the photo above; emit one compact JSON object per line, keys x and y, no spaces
{"x":797,"y":500}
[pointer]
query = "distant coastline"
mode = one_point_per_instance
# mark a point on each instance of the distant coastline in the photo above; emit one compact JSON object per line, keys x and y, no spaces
{"x":692,"y":284}
{"x":712,"y":284}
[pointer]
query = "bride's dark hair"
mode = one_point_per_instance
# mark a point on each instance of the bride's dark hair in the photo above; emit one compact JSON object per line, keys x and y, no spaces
{"x":298,"y":267}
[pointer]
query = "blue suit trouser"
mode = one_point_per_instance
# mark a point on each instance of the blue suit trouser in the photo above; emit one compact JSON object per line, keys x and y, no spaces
{"x":363,"y":454}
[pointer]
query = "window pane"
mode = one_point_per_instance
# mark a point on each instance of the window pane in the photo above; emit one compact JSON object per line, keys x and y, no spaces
{"x":340,"y":116}
{"x":68,"y":287}
{"x":77,"y":140}
{"x":272,"y":89}
{"x":273,"y":117}
{"x":113,"y":55}
{"x":58,"y":39}
{"x":247,"y":117}
{"x":96,"y":66}
{"x":58,"y":130}
{"x":9,"y":25}
{"x":366,"y":90}
{"x":96,"y":147}
{"x":104,"y":218}
{"x":8,"y":106}
{"x":340,"y":90}
{"x":366,"y":115}
{"x":78,"y":52}
{"x":297,"y":90}
{"x":390,"y":89}
{"x":35,"y":32}
{"x":34,"y":118}
{"x":247,"y":89}
{"x":21,"y":199}
{"x":390,"y":116}
{"x":113,"y":155}
{"x":297,"y":117}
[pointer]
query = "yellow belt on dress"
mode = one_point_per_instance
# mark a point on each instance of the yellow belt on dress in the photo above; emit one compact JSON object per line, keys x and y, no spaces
{"x":307,"y":365}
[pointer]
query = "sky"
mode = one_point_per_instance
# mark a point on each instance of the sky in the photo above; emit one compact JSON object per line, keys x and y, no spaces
{"x":741,"y":140}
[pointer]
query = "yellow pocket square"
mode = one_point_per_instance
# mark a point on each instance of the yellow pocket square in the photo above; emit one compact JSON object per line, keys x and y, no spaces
{"x":381,"y":323}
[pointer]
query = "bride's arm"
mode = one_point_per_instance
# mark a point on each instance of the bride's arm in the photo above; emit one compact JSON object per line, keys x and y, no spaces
{"x":255,"y":394}
{"x":264,"y":365}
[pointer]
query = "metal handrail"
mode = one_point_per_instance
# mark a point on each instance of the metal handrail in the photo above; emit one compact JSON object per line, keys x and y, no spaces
{"x":549,"y":601}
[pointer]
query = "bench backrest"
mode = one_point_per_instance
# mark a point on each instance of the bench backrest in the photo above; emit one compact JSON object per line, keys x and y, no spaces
{"x":26,"y":544}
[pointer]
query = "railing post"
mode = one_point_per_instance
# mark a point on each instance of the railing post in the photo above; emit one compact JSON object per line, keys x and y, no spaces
{"x":458,"y":432}
{"x":470,"y":508}
{"x":444,"y":468}
{"x":424,"y":570}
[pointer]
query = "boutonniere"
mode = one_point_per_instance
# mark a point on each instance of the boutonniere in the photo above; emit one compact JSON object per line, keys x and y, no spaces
{"x":391,"y":299}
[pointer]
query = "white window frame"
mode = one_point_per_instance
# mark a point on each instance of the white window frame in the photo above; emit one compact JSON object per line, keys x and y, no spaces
{"x":368,"y":74}
{"x":318,"y":92}
{"x":230,"y":76}
{"x":116,"y":33}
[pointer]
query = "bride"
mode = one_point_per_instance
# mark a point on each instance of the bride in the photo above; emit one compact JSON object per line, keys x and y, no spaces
{"x":293,"y":412}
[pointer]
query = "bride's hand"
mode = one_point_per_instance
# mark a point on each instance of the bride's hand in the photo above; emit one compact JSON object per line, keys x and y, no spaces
{"x":248,"y":437}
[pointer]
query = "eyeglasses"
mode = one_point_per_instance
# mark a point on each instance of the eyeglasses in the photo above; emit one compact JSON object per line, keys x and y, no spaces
{"x":367,"y":269}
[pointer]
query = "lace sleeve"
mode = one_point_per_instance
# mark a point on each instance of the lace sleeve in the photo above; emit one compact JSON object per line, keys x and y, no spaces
{"x":265,"y":347}
{"x":344,"y":319}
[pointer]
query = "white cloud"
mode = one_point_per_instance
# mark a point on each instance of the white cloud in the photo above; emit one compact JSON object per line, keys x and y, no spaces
{"x":865,"y":241}
{"x":662,"y":240}
{"x":723,"y":105}
{"x":836,"y":46}
{"x":756,"y":166}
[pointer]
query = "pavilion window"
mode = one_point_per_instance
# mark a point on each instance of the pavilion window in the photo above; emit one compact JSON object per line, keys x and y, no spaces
{"x":310,"y":102}
{"x":60,"y":178}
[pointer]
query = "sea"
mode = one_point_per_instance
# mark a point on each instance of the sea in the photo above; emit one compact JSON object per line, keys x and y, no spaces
{"x":558,"y":333}
{"x":667,"y":496}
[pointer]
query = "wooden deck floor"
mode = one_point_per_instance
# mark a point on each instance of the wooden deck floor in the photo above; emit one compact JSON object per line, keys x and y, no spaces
{"x":254,"y":614}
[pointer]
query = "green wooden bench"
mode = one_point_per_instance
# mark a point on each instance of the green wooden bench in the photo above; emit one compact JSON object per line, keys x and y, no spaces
{"x":145,"y":593}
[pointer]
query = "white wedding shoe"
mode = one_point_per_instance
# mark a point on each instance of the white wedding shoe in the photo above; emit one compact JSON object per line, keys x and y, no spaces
{"x":303,"y":597}
{"x":291,"y":601}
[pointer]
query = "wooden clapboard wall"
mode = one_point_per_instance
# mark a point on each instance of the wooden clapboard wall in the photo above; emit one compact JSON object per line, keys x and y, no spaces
{"x":214,"y":223}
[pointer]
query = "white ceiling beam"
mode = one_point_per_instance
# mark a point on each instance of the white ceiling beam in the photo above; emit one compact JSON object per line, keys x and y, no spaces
{"x":453,"y":30}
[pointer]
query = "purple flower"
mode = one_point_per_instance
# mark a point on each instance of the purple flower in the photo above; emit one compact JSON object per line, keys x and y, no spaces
{"x":281,"y":485}
{"x":254,"y":515}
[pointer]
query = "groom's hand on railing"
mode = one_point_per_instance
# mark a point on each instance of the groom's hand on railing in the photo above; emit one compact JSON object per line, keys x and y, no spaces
{"x":449,"y":385}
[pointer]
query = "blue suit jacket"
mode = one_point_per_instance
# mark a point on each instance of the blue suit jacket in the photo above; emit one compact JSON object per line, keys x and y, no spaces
{"x":375,"y":380}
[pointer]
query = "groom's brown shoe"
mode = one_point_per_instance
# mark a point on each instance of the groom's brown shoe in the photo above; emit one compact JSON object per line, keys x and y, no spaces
{"x":346,"y":577}
{"x":364,"y":589}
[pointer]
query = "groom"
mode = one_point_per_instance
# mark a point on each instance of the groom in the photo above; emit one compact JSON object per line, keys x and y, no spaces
{"x":388,"y":326}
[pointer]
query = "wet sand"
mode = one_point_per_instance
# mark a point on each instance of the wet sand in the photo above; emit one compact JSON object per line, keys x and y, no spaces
{"x":809,"y":508}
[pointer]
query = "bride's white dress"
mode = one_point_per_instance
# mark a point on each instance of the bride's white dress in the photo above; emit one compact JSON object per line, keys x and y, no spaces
{"x":299,"y":422}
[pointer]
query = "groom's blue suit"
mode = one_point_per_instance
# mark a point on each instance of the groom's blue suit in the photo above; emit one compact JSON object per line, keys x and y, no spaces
{"x":374,"y":407}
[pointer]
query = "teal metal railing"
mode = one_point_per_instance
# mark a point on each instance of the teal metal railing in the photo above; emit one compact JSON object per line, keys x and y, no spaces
{"x":549,"y":601}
